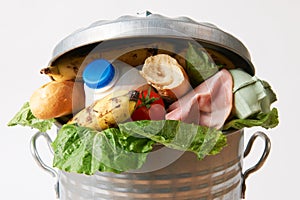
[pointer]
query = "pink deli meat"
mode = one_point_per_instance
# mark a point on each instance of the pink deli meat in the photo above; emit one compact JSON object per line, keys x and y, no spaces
{"x":209,"y":104}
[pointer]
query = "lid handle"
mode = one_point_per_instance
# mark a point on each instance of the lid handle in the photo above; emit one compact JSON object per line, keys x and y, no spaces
{"x":145,"y":13}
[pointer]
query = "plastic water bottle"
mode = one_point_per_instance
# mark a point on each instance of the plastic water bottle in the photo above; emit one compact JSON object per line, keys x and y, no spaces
{"x":101,"y":77}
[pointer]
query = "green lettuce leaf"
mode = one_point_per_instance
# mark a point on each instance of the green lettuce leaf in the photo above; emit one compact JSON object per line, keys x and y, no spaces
{"x":178,"y":135}
{"x":199,"y":65}
{"x":25,"y":118}
{"x":84,"y":150}
{"x":268,"y":120}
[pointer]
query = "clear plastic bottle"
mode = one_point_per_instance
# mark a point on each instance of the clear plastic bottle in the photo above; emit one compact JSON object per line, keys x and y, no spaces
{"x":101,"y":77}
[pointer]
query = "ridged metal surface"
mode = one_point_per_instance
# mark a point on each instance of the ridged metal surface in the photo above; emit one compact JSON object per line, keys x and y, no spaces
{"x":215,"y":177}
{"x":154,"y":25}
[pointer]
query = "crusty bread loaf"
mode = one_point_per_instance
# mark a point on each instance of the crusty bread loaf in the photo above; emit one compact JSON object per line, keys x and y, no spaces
{"x":56,"y":99}
{"x":165,"y":74}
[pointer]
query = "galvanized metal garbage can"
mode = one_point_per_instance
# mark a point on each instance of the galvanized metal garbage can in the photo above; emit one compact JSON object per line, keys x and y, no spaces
{"x":184,"y":177}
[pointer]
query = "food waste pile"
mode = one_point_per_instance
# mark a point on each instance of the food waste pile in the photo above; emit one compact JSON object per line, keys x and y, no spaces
{"x":187,"y":102}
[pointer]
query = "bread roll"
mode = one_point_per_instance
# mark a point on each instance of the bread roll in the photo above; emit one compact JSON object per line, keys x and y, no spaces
{"x":165,"y":74}
{"x":56,"y":99}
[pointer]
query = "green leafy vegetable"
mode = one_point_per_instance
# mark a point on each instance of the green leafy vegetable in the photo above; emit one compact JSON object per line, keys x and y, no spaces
{"x":178,"y":135}
{"x":199,"y":66}
{"x":25,"y":118}
{"x":268,"y":120}
{"x":84,"y":150}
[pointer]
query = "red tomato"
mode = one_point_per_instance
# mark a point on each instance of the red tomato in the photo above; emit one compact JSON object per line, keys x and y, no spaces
{"x":150,"y":106}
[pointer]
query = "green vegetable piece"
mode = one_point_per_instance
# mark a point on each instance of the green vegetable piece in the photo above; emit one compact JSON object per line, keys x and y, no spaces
{"x":199,"y":65}
{"x":174,"y":134}
{"x":251,"y":95}
{"x":265,"y":120}
{"x":270,"y":97}
{"x":84,"y":150}
{"x":25,"y":118}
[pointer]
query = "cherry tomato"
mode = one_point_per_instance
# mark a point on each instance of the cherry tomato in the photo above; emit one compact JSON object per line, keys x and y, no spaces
{"x":150,"y":106}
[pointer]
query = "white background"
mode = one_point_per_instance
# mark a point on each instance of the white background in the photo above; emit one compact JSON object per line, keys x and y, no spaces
{"x":30,"y":29}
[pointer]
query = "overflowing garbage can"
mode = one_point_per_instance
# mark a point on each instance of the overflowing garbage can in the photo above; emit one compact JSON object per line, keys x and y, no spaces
{"x":151,"y":108}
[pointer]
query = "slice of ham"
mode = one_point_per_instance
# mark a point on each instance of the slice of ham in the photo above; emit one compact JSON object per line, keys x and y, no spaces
{"x":209,"y":104}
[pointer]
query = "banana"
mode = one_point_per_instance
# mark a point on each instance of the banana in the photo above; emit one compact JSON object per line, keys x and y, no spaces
{"x":71,"y":66}
{"x":65,"y":69}
{"x":107,"y":112}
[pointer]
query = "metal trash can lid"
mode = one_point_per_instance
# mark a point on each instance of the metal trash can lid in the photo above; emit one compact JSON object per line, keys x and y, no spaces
{"x":157,"y":25}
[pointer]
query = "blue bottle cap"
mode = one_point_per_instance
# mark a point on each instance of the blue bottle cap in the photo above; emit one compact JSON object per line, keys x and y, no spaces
{"x":98,"y":73}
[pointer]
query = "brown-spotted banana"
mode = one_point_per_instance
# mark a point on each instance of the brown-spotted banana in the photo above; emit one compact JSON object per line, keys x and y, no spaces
{"x":70,"y":67}
{"x":107,"y":112}
{"x":64,"y":69}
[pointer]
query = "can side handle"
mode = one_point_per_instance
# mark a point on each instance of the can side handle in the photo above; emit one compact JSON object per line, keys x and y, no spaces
{"x":39,"y":161}
{"x":262,"y":159}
